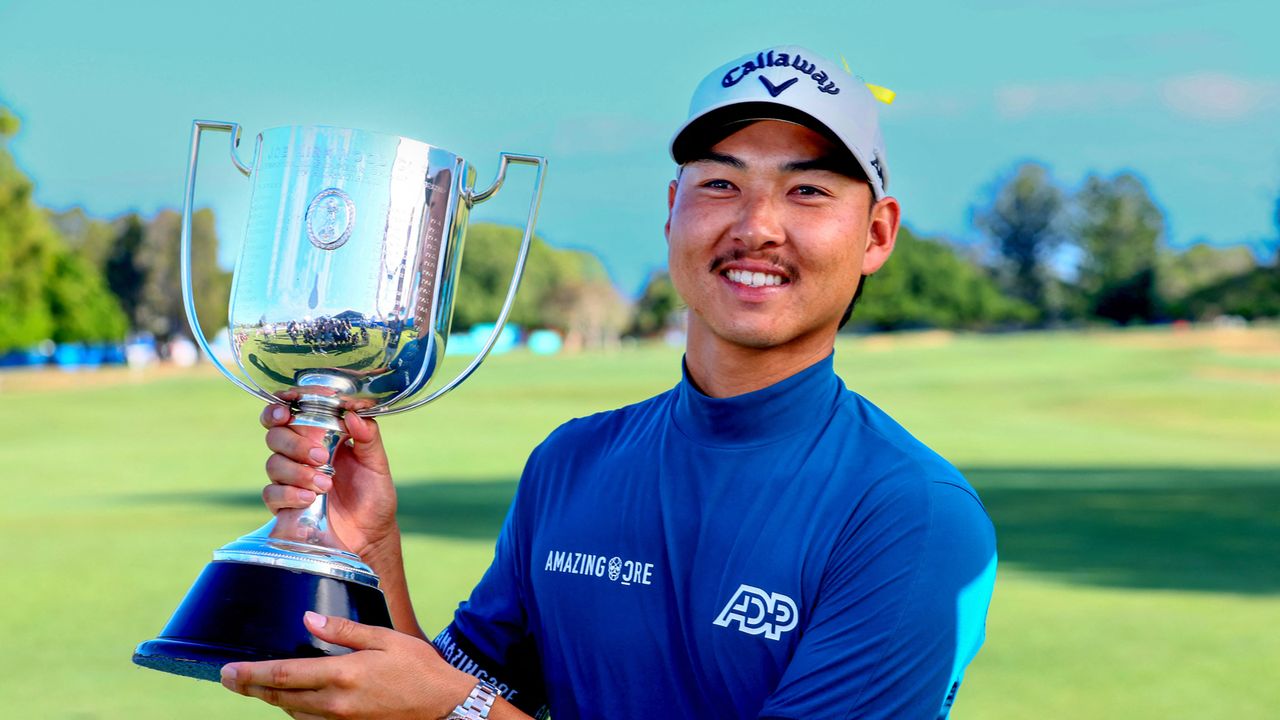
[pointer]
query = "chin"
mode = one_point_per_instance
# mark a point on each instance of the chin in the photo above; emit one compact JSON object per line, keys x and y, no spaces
{"x":756,"y":338}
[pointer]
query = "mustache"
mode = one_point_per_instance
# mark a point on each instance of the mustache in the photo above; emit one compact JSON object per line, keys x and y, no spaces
{"x":774,"y":259}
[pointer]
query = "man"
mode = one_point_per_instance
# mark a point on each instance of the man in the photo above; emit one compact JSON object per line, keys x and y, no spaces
{"x":758,"y":541}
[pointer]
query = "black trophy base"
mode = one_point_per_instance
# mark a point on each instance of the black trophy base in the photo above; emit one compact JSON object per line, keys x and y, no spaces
{"x":241,"y":612}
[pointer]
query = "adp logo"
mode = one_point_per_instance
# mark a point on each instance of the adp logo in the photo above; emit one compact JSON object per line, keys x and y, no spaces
{"x":758,"y":612}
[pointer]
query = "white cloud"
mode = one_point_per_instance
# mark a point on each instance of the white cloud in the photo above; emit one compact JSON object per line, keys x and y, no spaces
{"x":1217,"y":96}
{"x":1020,"y":100}
{"x":1204,"y":96}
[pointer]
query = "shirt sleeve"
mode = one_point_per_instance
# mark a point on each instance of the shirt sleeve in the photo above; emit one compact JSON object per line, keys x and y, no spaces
{"x":490,"y":636}
{"x":900,"y":612}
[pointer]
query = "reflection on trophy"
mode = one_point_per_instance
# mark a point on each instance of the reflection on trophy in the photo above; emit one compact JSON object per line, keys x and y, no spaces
{"x":341,"y":302}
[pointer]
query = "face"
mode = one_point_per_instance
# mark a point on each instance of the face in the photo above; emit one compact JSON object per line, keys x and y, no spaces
{"x":766,"y":244}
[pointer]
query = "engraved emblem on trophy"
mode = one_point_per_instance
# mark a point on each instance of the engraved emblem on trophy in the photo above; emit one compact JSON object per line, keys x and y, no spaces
{"x":341,"y":301}
{"x":329,"y":219}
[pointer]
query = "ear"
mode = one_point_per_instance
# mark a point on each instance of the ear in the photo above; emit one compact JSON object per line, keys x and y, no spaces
{"x":671,"y":201}
{"x":882,"y":233}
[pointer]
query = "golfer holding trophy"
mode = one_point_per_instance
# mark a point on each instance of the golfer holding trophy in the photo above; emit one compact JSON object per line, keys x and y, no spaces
{"x":759,"y":541}
{"x":340,"y":309}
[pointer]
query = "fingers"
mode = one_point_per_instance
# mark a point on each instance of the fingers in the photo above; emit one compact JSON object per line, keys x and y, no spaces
{"x":285,"y":675}
{"x":307,"y":689}
{"x":295,"y":446}
{"x":347,"y":633}
{"x":279,"y":698}
{"x":281,"y":470}
{"x":274,"y":415}
{"x":295,"y":703}
{"x":293,"y":462}
{"x":286,"y":497}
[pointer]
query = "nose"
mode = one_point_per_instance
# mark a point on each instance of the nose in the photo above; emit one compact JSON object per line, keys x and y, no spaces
{"x":760,"y":223}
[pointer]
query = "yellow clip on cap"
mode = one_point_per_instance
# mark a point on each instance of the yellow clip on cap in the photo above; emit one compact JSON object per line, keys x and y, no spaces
{"x":883,"y":94}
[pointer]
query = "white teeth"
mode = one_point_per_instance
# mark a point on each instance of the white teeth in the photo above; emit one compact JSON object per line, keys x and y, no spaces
{"x":753,"y":279}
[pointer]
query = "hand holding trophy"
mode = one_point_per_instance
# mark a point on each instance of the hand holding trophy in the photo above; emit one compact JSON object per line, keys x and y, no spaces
{"x":341,"y":302}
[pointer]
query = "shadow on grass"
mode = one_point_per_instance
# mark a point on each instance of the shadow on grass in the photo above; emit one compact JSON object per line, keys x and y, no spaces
{"x":1180,"y":529}
{"x":462,"y":509}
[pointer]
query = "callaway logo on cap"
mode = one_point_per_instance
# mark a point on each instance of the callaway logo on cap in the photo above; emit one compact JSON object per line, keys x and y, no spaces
{"x":791,"y":83}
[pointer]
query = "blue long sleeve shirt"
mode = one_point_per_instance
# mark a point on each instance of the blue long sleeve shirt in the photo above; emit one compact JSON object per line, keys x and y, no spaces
{"x":788,"y":553}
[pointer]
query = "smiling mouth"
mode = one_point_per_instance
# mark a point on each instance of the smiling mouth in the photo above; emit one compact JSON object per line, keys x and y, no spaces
{"x":754,"y":279}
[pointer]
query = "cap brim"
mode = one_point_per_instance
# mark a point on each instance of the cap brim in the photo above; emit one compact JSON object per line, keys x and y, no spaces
{"x":702,"y":132}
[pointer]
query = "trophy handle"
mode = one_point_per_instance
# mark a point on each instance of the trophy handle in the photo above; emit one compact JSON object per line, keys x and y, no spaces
{"x":472,"y":198}
{"x":184,"y":253}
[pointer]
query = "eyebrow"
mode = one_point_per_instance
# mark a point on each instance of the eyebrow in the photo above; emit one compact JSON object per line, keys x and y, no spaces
{"x":721,"y":158}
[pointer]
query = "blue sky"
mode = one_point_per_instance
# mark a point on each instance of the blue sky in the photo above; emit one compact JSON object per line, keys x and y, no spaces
{"x":1186,"y":93}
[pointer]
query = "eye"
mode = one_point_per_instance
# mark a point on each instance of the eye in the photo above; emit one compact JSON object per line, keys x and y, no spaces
{"x":718,"y":184}
{"x":810,"y":191}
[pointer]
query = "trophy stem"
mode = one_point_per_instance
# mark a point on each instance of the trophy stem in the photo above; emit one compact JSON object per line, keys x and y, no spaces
{"x":311,"y":525}
{"x":303,"y":538}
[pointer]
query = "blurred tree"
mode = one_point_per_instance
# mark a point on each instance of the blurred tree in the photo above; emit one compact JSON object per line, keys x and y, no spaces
{"x":591,"y":313}
{"x":141,"y":266}
{"x":1117,"y":227}
{"x":926,"y":283}
{"x":124,"y":268}
{"x":1023,"y":221}
{"x":487,"y":262}
{"x":46,"y":291}
{"x":84,"y":310}
{"x":1251,"y":295}
{"x":657,"y":306}
{"x":88,"y":237}
{"x":27,"y":249}
{"x":1180,"y":274}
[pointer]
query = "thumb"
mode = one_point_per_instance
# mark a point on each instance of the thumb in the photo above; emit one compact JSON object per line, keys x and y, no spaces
{"x":344,"y":632}
{"x":366,"y":441}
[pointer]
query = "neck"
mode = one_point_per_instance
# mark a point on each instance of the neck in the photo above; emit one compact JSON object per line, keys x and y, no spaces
{"x":722,"y":369}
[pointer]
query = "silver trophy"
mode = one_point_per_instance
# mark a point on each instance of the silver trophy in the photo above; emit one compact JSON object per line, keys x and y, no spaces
{"x":341,"y":302}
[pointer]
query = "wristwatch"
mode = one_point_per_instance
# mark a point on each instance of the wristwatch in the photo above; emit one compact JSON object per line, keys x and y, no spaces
{"x":477,"y":704}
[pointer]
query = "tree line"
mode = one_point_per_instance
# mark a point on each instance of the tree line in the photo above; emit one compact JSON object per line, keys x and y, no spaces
{"x":1051,"y":256}
{"x":1101,"y":254}
{"x":47,"y":291}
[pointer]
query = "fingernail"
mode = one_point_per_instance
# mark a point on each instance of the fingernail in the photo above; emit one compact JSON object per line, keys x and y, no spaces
{"x":319,"y":455}
{"x":278,"y":413}
{"x":228,"y":675}
{"x":323,"y":482}
{"x":316,"y":619}
{"x":306,"y":496}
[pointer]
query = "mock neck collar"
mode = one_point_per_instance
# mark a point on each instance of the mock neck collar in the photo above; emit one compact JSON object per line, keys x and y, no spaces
{"x":763,"y":416}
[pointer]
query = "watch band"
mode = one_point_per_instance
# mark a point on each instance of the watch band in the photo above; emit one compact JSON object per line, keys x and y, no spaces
{"x":477,"y":704}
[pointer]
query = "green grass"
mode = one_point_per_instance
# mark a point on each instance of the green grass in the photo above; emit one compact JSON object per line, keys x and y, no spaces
{"x":1134,"y":478}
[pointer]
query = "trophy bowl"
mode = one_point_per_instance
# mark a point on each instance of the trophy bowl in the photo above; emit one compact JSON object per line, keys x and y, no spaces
{"x":341,"y":301}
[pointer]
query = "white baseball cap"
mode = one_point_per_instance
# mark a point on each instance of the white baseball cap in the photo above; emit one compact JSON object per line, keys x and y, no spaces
{"x":794,"y":84}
